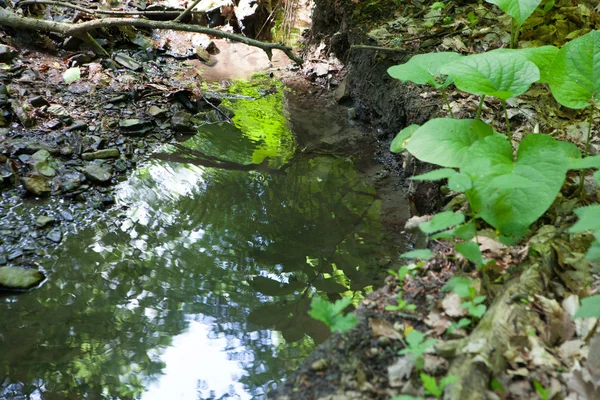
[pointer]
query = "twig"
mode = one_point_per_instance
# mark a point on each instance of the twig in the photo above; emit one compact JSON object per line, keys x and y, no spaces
{"x":186,"y":12}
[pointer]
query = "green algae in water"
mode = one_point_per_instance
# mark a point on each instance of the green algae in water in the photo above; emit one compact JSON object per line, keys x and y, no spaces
{"x":19,"y":278}
{"x":262,"y":120}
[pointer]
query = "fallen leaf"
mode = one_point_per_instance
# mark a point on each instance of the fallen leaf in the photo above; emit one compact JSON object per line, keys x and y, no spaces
{"x":451,"y":305}
{"x":382,"y":327}
{"x":400,"y":371}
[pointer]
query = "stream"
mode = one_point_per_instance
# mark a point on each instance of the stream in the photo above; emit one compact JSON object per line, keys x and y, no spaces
{"x":197,"y":283}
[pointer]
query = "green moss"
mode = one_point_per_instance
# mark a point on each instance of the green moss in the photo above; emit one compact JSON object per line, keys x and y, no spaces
{"x":19,"y":278}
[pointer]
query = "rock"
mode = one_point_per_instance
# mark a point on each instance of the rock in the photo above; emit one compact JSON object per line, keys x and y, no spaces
{"x":40,"y":156}
{"x":342,"y":92}
{"x":7,"y":53}
{"x":13,"y":255}
{"x":58,"y":111}
{"x":38,"y":101}
{"x":44,"y":220}
{"x":21,"y":113}
{"x":37,"y":185}
{"x":77,"y":125}
{"x":125,"y":61}
{"x":157,"y":112}
{"x":202,"y":54}
{"x":55,"y":235}
{"x":3,"y":260}
{"x":40,"y":161}
{"x":134,"y":126}
{"x":181,"y":122}
{"x":20,"y":278}
{"x":101,"y":154}
{"x":95,"y":173}
{"x":321,"y":69}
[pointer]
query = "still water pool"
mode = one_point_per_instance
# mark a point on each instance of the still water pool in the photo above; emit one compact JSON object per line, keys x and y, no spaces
{"x":196,"y":285}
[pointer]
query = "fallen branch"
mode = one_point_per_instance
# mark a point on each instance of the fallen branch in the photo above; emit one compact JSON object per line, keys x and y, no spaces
{"x":11,"y":19}
{"x":91,"y":11}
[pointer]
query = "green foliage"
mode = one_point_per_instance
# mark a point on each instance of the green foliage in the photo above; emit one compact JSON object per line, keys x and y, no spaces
{"x":462,"y":323}
{"x":398,"y":143}
{"x":520,"y":10}
{"x":447,"y":142}
{"x":442,"y":221}
{"x":541,"y":390}
{"x":463,"y":288}
{"x":432,"y":387}
{"x":331,"y":314}
{"x":402,"y":305}
{"x":424,"y":69}
{"x":423,"y":254}
{"x":416,"y":346}
{"x":575,"y":75}
{"x":470,"y":250}
{"x":494,"y":73}
{"x":590,"y":307}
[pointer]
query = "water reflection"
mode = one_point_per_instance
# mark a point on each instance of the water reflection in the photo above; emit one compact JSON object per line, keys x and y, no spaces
{"x":199,"y":287}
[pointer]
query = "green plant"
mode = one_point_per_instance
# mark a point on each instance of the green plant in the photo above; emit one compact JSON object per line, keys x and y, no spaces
{"x":416,"y":346}
{"x":409,"y":269}
{"x":519,"y":10}
{"x":541,"y":390}
{"x":402,"y":305}
{"x":463,"y":287}
{"x":331,"y":314}
{"x":590,"y":307}
{"x":462,"y":323}
{"x":434,"y":388}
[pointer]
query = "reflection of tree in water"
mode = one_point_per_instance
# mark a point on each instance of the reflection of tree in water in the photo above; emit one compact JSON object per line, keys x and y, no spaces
{"x":245,"y":250}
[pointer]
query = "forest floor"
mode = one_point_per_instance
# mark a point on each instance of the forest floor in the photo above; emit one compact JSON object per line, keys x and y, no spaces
{"x":527,"y":344}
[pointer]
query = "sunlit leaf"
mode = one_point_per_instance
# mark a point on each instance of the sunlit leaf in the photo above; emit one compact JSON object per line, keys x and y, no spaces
{"x":590,"y":308}
{"x":71,"y":74}
{"x":423,"y":254}
{"x":423,"y":69}
{"x":442,"y":221}
{"x":399,"y":142}
{"x":520,"y":10}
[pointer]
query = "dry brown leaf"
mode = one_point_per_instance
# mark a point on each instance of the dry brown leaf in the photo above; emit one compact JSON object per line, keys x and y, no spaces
{"x":451,"y":305}
{"x":382,"y":327}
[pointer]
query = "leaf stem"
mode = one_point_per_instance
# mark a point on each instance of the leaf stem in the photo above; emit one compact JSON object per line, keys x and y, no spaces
{"x":506,"y":117}
{"x":478,"y":116}
{"x":443,"y":89}
{"x":587,"y":150}
{"x":514,"y":33}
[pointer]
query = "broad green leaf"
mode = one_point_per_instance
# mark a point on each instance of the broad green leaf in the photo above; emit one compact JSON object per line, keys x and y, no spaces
{"x":423,"y":254}
{"x":466,"y":231}
{"x":442,"y":221}
{"x":460,"y":182}
{"x":590,"y":308}
{"x":593,"y":252}
{"x":575,"y":76}
{"x":446,"y":142}
{"x":541,"y":161}
{"x":520,"y":10}
{"x":477,"y":311}
{"x":329,"y":285}
{"x":470,"y":250}
{"x":597,"y":176}
{"x":499,"y":74}
{"x":585,"y":162}
{"x":399,"y":142}
{"x":542,"y":57}
{"x":441,"y":173}
{"x":589,"y":218}
{"x":459,"y":285}
{"x":71,"y":74}
{"x":423,"y":69}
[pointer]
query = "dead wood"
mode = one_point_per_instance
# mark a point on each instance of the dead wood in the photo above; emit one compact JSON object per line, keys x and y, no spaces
{"x":13,"y":20}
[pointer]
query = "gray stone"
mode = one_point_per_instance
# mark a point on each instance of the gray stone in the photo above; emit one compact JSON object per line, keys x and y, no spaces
{"x":55,"y":235}
{"x":58,"y":111}
{"x":44,"y":220}
{"x":157,"y":112}
{"x":7,"y":53}
{"x":40,"y":155}
{"x":13,"y":255}
{"x":134,"y":126}
{"x":95,"y":173}
{"x":77,"y":125}
{"x":20,"y":278}
{"x":38,"y":101}
{"x":125,"y":61}
{"x":181,"y":122}
{"x":101,"y":154}
{"x":21,"y":113}
{"x":37,"y":185}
